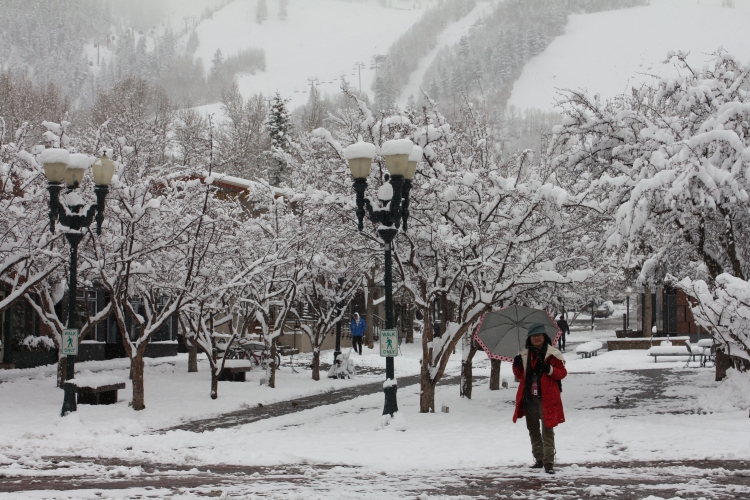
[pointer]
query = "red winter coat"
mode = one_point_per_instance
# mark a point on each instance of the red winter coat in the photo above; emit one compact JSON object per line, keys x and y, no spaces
{"x":552,"y":408}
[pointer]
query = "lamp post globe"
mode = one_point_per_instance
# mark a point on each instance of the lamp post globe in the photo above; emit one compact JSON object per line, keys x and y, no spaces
{"x":401,"y":161}
{"x":61,"y":166}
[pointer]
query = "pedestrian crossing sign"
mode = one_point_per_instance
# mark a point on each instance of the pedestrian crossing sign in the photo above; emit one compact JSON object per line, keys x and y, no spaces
{"x":70,"y":342}
{"x":389,"y":343}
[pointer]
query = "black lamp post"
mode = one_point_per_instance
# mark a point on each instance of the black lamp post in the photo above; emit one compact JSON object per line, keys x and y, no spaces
{"x":337,"y":350}
{"x":401,"y":158}
{"x":60,"y":166}
{"x":628,"y":293}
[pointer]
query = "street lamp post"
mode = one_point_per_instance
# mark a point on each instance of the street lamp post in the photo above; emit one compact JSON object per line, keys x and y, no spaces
{"x":401,"y":158}
{"x":337,"y":350}
{"x":628,"y":293}
{"x":60,"y":168}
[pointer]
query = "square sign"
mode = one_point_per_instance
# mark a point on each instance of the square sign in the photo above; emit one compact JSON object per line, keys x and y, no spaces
{"x":70,"y":342}
{"x":389,"y":343}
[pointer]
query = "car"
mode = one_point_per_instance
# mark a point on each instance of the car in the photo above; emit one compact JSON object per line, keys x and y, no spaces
{"x":605,"y":310}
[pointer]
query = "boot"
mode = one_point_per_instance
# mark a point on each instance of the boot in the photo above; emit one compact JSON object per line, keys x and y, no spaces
{"x":549,"y":468}
{"x":537,"y":465}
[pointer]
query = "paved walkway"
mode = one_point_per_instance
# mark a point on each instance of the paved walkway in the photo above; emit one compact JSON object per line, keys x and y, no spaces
{"x":625,"y":481}
{"x":250,"y":415}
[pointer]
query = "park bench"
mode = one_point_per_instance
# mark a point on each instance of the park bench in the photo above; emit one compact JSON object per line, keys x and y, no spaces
{"x":235,"y":369}
{"x":97,"y":389}
{"x":588,"y":349}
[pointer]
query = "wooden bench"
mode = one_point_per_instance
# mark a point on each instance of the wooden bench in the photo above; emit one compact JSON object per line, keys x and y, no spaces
{"x":588,"y":349}
{"x":94,"y":390}
{"x":234,"y":370}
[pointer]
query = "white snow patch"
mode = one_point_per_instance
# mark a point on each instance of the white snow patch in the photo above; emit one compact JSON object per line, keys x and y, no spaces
{"x":635,"y":44}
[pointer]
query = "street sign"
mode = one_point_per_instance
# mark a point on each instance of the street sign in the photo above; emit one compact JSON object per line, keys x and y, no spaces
{"x":389,"y":343}
{"x":70,"y":342}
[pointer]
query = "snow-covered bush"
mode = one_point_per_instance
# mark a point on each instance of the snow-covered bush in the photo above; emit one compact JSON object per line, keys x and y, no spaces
{"x":35,"y":343}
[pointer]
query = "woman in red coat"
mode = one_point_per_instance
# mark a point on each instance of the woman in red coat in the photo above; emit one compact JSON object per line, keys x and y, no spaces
{"x":540,"y":367}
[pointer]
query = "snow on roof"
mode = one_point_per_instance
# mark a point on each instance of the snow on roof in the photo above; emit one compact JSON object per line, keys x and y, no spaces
{"x":229,"y":181}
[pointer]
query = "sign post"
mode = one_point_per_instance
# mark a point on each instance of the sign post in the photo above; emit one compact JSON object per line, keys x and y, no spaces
{"x":389,"y":343}
{"x":70,"y":342}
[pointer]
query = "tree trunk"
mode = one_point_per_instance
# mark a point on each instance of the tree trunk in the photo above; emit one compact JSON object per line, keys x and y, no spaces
{"x":62,"y":366}
{"x":214,"y":383}
{"x":494,"y":374}
{"x":410,"y":327}
{"x":370,"y":309}
{"x":723,"y":363}
{"x":427,"y":385}
{"x":136,"y":375}
{"x":427,"y":392}
{"x":271,"y":372}
{"x":466,"y":373}
{"x":316,"y":364}
{"x":192,"y":348}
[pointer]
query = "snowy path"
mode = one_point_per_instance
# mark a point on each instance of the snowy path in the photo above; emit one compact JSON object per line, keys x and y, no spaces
{"x":728,"y":479}
{"x":450,"y":35}
{"x":261,"y":412}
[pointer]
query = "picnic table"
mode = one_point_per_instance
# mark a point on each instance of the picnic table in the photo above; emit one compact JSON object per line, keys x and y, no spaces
{"x":235,"y":369}
{"x":702,"y":352}
{"x":97,"y":389}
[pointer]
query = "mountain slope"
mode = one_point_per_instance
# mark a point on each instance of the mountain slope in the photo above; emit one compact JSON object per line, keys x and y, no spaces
{"x":609,"y":52}
{"x":319,"y":39}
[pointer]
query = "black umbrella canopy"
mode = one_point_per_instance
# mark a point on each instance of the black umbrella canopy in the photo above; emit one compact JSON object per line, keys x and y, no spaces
{"x":502,"y":334}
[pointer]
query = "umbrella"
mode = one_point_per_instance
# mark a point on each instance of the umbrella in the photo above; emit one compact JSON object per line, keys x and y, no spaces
{"x":502,"y":334}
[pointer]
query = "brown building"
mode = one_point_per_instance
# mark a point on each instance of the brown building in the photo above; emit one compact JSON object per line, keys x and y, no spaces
{"x":668,"y":309}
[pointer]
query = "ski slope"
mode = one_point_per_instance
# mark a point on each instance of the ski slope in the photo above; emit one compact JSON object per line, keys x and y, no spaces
{"x":451,"y":35}
{"x":610,"y":52}
{"x":320,"y":39}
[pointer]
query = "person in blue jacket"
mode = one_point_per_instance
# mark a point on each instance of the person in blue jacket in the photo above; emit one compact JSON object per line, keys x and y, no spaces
{"x":358,"y":331}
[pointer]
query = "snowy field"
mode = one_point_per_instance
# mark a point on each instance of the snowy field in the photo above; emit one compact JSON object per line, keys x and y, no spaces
{"x":656,"y":410}
{"x":609,"y":52}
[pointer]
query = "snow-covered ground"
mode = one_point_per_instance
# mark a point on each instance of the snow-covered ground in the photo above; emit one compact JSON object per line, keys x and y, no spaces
{"x":310,"y":43}
{"x":451,"y":35}
{"x":610,"y":52}
{"x":475,"y":433}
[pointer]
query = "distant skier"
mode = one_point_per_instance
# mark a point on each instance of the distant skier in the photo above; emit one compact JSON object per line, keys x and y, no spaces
{"x":358,"y":330}
{"x":565,"y":328}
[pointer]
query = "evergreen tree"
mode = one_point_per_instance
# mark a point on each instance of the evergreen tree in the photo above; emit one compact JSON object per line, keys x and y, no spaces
{"x":279,"y":126}
{"x":314,"y":112}
{"x":261,"y":13}
{"x":283,"y":4}
{"x":279,"y":123}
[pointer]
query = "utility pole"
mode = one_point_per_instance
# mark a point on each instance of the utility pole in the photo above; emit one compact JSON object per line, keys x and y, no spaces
{"x":377,"y":60}
{"x":359,"y":66}
{"x":313,"y":82}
